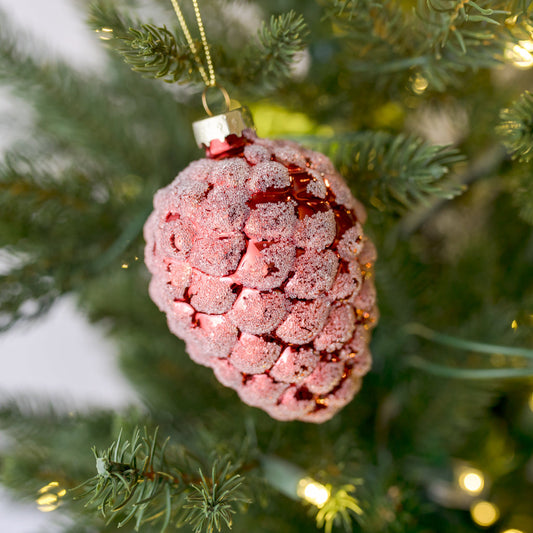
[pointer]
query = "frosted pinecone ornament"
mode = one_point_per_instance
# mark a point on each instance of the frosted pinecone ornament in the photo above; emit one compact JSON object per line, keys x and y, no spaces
{"x":260,"y":263}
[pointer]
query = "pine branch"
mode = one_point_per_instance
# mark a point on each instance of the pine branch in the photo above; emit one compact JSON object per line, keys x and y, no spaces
{"x":517,"y":366}
{"x":78,"y":118}
{"x":393,"y":172}
{"x":338,"y":509}
{"x":516,"y":127}
{"x":269,"y":62}
{"x":211,"y":502}
{"x":454,"y":24}
{"x":26,"y":294}
{"x":135,"y":482}
{"x":33,"y":201}
{"x":441,"y":40}
{"x":520,"y":184}
{"x":153,"y":51}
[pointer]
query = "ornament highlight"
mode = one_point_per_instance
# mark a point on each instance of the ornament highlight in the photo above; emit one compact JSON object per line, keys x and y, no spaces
{"x":261,"y":265}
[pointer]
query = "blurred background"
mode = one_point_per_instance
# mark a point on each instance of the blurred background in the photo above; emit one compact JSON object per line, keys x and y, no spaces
{"x":61,"y":357}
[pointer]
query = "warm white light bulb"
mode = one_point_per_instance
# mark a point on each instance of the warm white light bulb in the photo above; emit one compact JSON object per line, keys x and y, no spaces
{"x":520,"y":55}
{"x":471,"y":480}
{"x":313,"y":491}
{"x":50,"y":495}
{"x":484,"y":513}
{"x":420,"y":84}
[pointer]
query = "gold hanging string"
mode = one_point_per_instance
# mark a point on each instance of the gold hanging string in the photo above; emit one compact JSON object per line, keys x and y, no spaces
{"x":209,"y":80}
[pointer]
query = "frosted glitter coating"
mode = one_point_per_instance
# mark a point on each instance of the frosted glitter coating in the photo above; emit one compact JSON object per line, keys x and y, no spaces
{"x":316,"y":187}
{"x":291,"y":404}
{"x":254,"y":355}
{"x":261,"y":390}
{"x":324,"y":377}
{"x":259,"y":312}
{"x":289,"y":153}
{"x":260,"y":262}
{"x":215,"y":334}
{"x":366,"y":297}
{"x":361,"y":362}
{"x":344,"y":286}
{"x":179,"y":319}
{"x":183,"y":199}
{"x":305,"y":321}
{"x":211,"y":294}
{"x":175,"y":239}
{"x":314,"y":273}
{"x":338,"y":329}
{"x":351,"y":243}
{"x":357,"y":344}
{"x":226,"y":373}
{"x":268,"y":175}
{"x":341,"y":191}
{"x":165,"y":292}
{"x":266,"y":266}
{"x":345,"y":392}
{"x":294,"y":365}
{"x":271,"y":221}
{"x":255,"y":154}
{"x":368,"y":254}
{"x":230,"y":173}
{"x":224,"y":210}
{"x":217,"y":256}
{"x":317,"y":231}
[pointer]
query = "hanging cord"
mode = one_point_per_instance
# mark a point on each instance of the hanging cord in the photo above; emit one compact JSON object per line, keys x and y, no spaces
{"x":209,"y":76}
{"x":209,"y":81}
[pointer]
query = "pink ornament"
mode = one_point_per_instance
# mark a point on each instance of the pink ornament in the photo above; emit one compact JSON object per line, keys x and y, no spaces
{"x":260,"y":262}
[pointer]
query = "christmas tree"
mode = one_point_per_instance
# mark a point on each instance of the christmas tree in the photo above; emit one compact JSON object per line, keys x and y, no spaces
{"x":423,"y":107}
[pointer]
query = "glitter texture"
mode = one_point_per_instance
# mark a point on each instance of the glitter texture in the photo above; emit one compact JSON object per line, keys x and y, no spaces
{"x":261,"y":265}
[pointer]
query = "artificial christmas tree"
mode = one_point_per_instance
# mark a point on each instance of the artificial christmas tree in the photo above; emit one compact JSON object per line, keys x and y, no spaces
{"x":437,"y":439}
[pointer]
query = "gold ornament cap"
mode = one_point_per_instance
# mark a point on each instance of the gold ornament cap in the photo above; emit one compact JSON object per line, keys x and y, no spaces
{"x":219,"y":127}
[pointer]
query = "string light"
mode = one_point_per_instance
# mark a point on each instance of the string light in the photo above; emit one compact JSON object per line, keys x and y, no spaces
{"x":514,"y":325}
{"x":484,"y":513}
{"x":471,"y":480}
{"x":50,"y":495}
{"x":125,"y":265}
{"x":512,"y":531}
{"x":520,"y":54}
{"x":105,"y":34}
{"x":420,"y":84}
{"x":313,"y":491}
{"x":530,"y":402}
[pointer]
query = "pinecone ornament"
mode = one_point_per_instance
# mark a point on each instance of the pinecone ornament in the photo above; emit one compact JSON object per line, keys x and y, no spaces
{"x":260,"y":263}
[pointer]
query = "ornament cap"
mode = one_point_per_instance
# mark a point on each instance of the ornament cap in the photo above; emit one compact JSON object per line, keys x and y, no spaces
{"x":219,"y":127}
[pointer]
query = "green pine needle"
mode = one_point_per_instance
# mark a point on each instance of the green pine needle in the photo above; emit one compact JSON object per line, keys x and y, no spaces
{"x":156,"y":52}
{"x":153,"y":51}
{"x":279,"y":42}
{"x":211,"y":503}
{"x":134,"y":482}
{"x":393,"y":172}
{"x":516,"y":127}
{"x":512,"y":370}
{"x":340,"y":507}
{"x":441,"y":40}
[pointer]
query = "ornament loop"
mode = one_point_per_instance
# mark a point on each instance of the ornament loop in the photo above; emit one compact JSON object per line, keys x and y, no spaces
{"x":225,"y":94}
